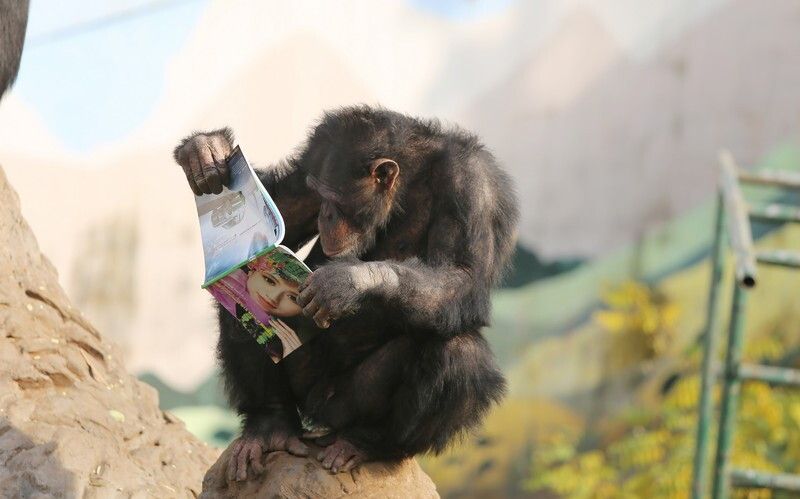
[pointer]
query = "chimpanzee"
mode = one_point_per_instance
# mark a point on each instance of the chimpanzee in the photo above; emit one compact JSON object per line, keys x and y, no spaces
{"x":416,"y":224}
{"x":13,"y":21}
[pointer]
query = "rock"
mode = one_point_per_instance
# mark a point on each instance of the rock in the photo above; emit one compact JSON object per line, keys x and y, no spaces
{"x":73,"y":423}
{"x":288,"y":476}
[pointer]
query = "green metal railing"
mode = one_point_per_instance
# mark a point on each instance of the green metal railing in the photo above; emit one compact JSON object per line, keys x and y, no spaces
{"x":735,"y":214}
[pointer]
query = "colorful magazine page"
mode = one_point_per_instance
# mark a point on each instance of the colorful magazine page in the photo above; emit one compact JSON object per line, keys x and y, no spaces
{"x":247,"y":271}
{"x":239,"y":223}
{"x":262,"y":294}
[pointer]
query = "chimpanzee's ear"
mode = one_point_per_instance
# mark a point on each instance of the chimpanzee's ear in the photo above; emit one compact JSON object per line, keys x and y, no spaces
{"x":384,"y":172}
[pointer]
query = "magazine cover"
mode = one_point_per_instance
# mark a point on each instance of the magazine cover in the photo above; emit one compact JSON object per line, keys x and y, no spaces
{"x":246,"y":270}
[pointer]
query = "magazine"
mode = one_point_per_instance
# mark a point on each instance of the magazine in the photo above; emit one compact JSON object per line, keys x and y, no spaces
{"x":246,"y":269}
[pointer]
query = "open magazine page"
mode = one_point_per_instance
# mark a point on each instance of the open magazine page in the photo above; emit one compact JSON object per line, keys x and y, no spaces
{"x":262,"y":294}
{"x":239,"y":223}
{"x":252,"y":277}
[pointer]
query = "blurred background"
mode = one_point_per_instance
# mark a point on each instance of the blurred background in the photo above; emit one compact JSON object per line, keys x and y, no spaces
{"x":607,"y":114}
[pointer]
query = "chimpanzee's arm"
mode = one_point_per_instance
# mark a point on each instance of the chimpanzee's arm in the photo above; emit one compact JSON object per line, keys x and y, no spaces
{"x":447,"y":294}
{"x":445,"y":299}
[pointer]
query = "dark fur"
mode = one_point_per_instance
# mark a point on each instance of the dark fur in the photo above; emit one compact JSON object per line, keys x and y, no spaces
{"x":407,"y":370}
{"x":13,"y":20}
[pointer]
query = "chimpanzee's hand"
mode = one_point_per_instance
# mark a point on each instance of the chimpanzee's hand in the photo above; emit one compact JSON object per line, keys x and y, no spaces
{"x":335,"y":290}
{"x":202,"y":157}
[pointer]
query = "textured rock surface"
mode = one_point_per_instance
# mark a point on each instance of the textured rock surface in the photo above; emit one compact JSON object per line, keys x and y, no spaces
{"x":73,"y":423}
{"x":288,"y":476}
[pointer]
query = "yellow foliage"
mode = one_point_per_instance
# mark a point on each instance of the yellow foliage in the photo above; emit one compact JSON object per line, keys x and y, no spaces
{"x":655,"y":459}
{"x":641,"y":318}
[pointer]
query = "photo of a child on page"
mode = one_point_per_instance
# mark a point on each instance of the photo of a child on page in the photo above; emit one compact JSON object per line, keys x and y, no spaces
{"x":260,"y":294}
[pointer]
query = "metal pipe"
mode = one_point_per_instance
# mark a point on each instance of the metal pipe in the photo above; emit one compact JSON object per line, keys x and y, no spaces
{"x":789,"y":180}
{"x":775,"y":212}
{"x":770,"y":374}
{"x":710,"y":340}
{"x":739,"y":232}
{"x":781,"y":258}
{"x":730,"y":394}
{"x":753,"y":478}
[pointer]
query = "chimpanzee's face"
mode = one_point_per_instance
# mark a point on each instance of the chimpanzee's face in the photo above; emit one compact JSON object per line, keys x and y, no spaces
{"x":339,"y":234}
{"x":356,"y":195}
{"x":347,"y":164}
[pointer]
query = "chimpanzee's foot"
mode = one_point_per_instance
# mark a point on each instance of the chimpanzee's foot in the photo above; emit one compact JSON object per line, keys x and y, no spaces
{"x":250,"y":448}
{"x":341,"y":455}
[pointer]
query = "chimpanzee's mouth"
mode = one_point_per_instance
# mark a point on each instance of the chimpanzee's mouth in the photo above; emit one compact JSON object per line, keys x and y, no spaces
{"x":331,"y":252}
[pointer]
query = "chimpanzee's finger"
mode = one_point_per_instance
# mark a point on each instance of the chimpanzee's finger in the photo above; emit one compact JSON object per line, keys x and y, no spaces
{"x":220,"y":153}
{"x":187,"y":170}
{"x":312,"y":307}
{"x":306,"y":283}
{"x":330,"y":455}
{"x":340,"y":460}
{"x":323,"y":318}
{"x":192,"y":183}
{"x":197,"y":173}
{"x":212,"y":177}
{"x":209,"y":169}
{"x":350,"y":464}
{"x":305,"y":296}
{"x":296,"y":447}
{"x":255,"y":459}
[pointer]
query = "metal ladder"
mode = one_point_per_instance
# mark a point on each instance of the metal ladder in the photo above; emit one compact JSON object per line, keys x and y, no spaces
{"x":731,"y":206}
